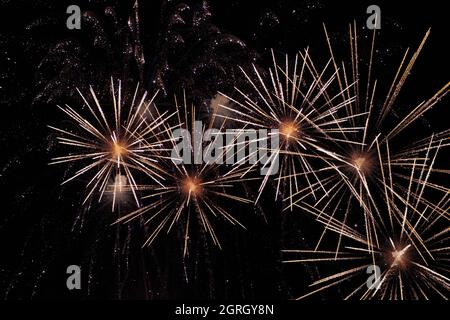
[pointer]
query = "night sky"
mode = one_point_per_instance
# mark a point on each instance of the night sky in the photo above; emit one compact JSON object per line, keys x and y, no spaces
{"x":175,"y":46}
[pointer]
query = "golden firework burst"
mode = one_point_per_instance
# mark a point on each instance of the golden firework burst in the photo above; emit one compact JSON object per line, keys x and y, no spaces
{"x":292,"y":98}
{"x":106,"y":148}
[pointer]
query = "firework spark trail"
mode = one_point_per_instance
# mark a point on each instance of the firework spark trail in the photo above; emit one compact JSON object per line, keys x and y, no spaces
{"x":190,"y":190}
{"x":359,"y":169}
{"x":412,"y":251}
{"x":303,"y":117}
{"x":111,"y":149}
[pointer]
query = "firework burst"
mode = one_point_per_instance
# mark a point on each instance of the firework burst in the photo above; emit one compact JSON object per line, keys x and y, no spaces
{"x":294,"y":100}
{"x":109,"y":146}
{"x":192,"y":193}
{"x":411,"y":245}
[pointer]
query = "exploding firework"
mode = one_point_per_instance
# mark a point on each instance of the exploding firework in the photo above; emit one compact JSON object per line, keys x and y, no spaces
{"x":294,"y":100}
{"x":110,"y":147}
{"x":358,"y":170}
{"x":192,"y":192}
{"x":409,"y":252}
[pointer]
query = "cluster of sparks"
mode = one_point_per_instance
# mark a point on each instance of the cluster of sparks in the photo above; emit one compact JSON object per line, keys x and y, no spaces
{"x":336,"y":161}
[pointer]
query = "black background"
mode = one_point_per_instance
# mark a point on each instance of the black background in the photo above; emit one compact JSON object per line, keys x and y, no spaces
{"x":41,"y":64}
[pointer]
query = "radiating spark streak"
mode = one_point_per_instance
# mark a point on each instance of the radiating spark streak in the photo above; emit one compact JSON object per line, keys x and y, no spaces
{"x":406,"y":72}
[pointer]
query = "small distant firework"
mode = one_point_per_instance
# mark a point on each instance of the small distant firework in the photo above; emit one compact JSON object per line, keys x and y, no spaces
{"x":410,"y":247}
{"x":108,"y":149}
{"x":190,"y":191}
{"x":294,"y":100}
{"x":359,"y":169}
